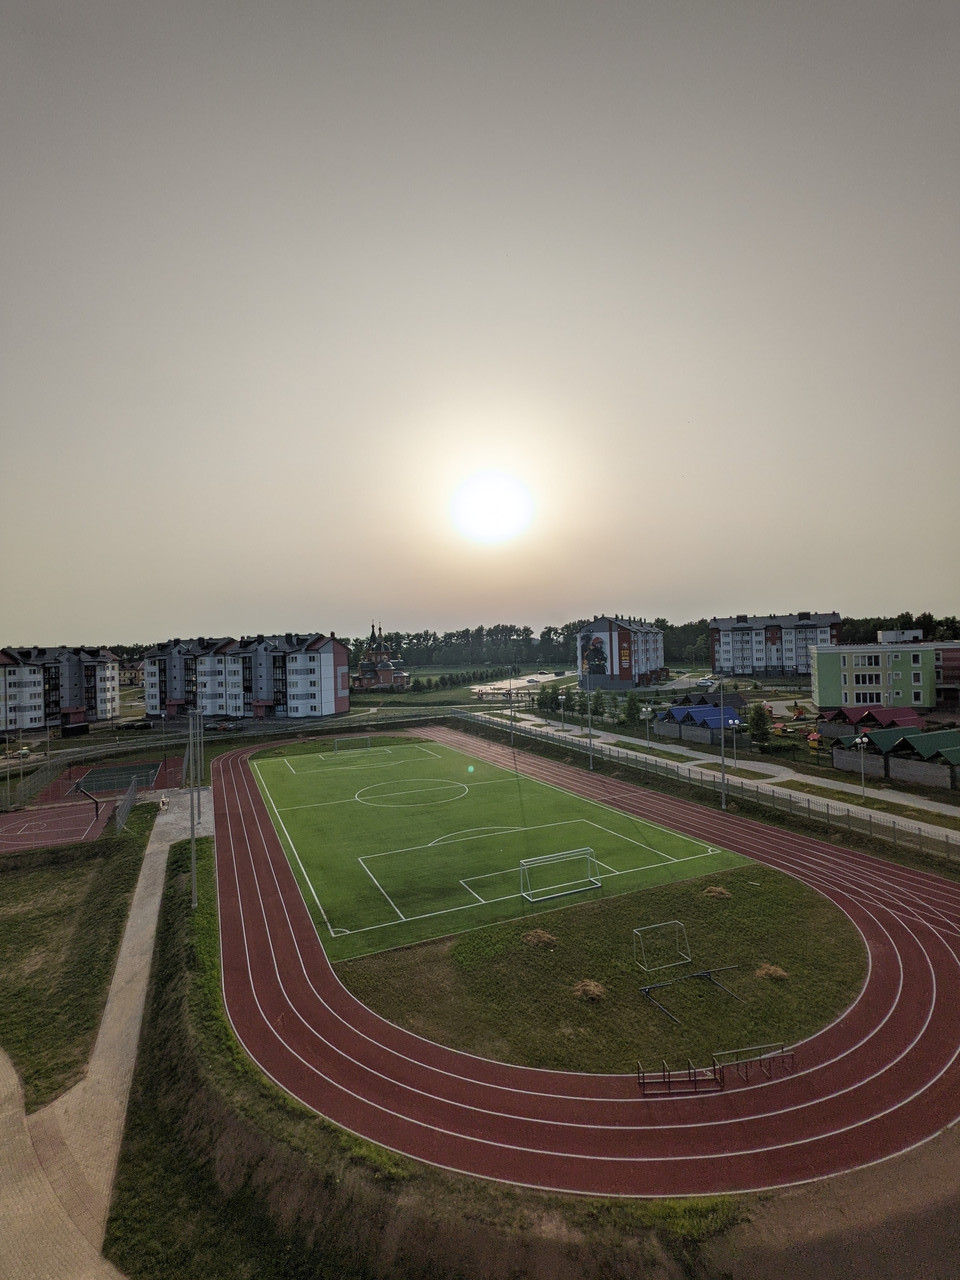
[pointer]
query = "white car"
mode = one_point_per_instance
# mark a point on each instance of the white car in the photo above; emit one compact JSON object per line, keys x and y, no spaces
{"x":705,"y":683}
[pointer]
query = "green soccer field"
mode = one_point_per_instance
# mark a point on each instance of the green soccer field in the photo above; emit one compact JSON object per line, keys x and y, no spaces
{"x":393,"y":844}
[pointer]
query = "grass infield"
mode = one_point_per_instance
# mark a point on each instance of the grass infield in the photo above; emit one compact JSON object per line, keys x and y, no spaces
{"x":401,"y":841}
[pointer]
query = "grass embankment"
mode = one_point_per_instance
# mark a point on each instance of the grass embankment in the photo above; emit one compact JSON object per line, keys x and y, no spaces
{"x":62,"y":914}
{"x":222,"y":1175}
{"x":508,"y":993}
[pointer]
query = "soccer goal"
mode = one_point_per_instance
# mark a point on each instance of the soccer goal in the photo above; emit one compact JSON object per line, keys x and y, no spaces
{"x":359,"y":743}
{"x":556,"y":874}
{"x":658,"y":946}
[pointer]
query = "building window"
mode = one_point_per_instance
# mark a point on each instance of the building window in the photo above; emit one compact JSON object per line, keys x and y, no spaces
{"x":915,"y":659}
{"x":917,"y":676}
{"x":918,"y":696}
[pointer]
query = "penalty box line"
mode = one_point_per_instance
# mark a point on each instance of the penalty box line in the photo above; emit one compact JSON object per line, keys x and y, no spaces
{"x":409,"y":749}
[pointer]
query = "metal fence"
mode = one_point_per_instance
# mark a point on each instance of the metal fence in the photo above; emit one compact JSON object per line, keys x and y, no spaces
{"x":834,"y":816}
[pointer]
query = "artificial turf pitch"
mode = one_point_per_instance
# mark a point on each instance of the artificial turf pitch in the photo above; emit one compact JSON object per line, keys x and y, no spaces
{"x":394,"y":844}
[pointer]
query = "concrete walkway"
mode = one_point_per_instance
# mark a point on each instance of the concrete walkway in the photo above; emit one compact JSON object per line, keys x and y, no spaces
{"x":57,"y":1165}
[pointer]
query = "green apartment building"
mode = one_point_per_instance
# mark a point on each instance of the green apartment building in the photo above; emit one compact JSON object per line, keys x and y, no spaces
{"x":885,"y":674}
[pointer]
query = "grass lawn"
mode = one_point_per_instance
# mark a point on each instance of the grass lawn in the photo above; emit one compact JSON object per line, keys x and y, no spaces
{"x":60,"y":927}
{"x":210,"y":1143}
{"x":507,"y":993}
{"x":407,"y":840}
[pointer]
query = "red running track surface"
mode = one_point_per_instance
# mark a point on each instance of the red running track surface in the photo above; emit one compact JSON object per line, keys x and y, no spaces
{"x":882,"y":1078}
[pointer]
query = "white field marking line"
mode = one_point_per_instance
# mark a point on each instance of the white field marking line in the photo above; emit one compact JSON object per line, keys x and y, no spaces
{"x":507,"y":897}
{"x":286,"y":761}
{"x":824,"y":864}
{"x":480,"y":833}
{"x":382,"y":890}
{"x":882,"y":928}
{"x":642,"y":844}
{"x":770,"y":852}
{"x":293,"y":848}
{"x":657,"y":826}
{"x":438,"y":784}
{"x":560,"y":1125}
{"x":468,"y":833}
{"x":337,"y":979}
{"x":469,"y":890}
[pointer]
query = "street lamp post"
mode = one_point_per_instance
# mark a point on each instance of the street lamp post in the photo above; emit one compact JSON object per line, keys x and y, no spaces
{"x":861,"y":744}
{"x":734,"y":725}
{"x":723,"y":755}
{"x":562,"y":699}
{"x":647,"y":715}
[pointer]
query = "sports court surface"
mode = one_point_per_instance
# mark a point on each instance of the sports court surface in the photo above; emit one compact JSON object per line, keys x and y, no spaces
{"x":879,"y":1080}
{"x":52,"y":825}
{"x":392,"y":844}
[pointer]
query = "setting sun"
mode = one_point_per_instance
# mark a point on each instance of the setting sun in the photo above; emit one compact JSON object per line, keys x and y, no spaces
{"x":491,"y":506}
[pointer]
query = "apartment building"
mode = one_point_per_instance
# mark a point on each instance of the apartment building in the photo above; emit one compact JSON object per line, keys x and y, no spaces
{"x":287,"y":676}
{"x":620,"y":653}
{"x":769,"y":646}
{"x":899,"y":670}
{"x":59,"y":685}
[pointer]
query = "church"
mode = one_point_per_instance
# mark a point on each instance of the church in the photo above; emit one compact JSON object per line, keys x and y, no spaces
{"x":378,"y":670}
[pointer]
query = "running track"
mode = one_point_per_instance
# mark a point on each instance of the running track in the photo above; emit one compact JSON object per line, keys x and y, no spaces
{"x":883,"y":1078}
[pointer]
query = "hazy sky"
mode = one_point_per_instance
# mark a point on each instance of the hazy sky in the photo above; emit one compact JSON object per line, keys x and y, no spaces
{"x":276,"y":277}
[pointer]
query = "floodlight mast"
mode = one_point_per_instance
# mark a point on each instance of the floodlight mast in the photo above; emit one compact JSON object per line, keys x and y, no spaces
{"x":723,"y":755}
{"x":589,"y":719}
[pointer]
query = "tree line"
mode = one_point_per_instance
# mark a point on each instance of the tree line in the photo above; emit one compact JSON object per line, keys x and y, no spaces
{"x":506,"y":644}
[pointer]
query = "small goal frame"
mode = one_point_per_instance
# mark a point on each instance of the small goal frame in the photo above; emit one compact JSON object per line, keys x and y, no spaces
{"x":680,"y":943}
{"x":361,"y":742}
{"x":562,"y":888}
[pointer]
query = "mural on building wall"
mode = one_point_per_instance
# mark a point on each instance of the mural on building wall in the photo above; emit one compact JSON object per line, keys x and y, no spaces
{"x":593,"y":654}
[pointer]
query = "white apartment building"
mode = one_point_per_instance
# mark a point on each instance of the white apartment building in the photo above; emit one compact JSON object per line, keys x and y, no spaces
{"x":57,"y":686}
{"x":774,"y":645}
{"x":290,"y":676}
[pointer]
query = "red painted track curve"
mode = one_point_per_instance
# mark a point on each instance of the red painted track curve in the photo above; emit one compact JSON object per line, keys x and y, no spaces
{"x":883,"y":1078}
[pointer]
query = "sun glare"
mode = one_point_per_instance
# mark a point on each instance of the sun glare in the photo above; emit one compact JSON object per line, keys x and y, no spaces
{"x":491,"y":506}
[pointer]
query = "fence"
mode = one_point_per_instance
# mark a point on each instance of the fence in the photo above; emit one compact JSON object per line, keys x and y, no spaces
{"x":842,"y":818}
{"x":173,"y":742}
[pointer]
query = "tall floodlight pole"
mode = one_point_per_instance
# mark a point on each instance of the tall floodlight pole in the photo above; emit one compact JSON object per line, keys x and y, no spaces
{"x":199,"y":761}
{"x":562,"y":699}
{"x":510,"y":702}
{"x":191,"y":730}
{"x":648,"y":715}
{"x":723,"y":755}
{"x":589,"y":721}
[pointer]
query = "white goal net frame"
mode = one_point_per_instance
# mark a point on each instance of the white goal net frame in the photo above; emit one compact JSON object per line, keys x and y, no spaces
{"x":661,"y":946}
{"x":564,"y":881}
{"x":362,"y":742}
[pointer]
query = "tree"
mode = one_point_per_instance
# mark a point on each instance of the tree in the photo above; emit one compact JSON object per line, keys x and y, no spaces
{"x":598,"y":705}
{"x":759,"y":724}
{"x":633,"y":708}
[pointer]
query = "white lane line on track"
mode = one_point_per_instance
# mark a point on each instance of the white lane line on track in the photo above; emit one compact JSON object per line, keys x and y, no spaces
{"x":495,"y":1086}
